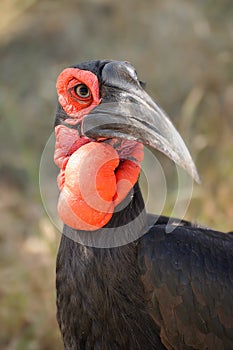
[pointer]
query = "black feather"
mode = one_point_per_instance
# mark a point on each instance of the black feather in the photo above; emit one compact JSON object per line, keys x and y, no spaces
{"x":162,"y":291}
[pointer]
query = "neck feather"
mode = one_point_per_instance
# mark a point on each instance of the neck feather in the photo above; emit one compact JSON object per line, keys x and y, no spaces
{"x":100,"y":297}
{"x":127,"y":224}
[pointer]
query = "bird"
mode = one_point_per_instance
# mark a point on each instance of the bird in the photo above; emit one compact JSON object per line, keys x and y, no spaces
{"x":125,"y":278}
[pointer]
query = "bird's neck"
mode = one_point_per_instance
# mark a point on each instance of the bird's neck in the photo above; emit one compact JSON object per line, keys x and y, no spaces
{"x":100,"y":296}
{"x":126,"y":225}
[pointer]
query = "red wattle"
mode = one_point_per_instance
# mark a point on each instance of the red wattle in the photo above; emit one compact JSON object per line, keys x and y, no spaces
{"x":86,"y":199}
{"x":93,"y":180}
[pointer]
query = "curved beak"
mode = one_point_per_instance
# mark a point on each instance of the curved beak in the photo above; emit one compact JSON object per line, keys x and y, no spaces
{"x":127,"y":111}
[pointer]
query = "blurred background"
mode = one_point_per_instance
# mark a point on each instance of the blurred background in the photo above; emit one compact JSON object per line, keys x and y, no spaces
{"x":183,"y":50}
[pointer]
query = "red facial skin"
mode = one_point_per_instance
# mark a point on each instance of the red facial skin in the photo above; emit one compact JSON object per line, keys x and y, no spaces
{"x":73,"y":105}
{"x":95,"y":176}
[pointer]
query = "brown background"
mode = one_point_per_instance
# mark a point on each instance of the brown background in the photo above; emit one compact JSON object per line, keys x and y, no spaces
{"x":183,"y":50}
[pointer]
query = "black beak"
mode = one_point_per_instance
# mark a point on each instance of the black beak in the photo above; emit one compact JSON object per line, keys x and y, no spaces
{"x":128,"y":112}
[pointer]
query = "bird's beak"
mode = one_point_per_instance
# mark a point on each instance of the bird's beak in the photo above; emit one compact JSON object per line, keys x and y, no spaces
{"x":128,"y":112}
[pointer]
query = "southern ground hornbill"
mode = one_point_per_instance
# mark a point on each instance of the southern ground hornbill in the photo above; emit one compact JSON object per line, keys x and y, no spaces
{"x":123,"y":281}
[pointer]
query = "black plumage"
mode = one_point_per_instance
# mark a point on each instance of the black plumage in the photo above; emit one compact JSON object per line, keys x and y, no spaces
{"x":162,"y":291}
{"x":100,"y":295}
{"x":190,"y":271}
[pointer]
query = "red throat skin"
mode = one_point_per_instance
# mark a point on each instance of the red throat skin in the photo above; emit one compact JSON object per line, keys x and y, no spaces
{"x":93,"y":178}
{"x":95,"y":175}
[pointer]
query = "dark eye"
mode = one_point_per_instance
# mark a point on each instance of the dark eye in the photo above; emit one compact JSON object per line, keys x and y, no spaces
{"x":82,"y":91}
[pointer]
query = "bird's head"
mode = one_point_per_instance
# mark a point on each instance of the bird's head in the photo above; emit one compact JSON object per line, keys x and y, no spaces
{"x":104,"y":117}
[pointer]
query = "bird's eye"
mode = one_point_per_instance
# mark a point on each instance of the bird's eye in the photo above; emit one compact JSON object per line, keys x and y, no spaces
{"x":82,"y":91}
